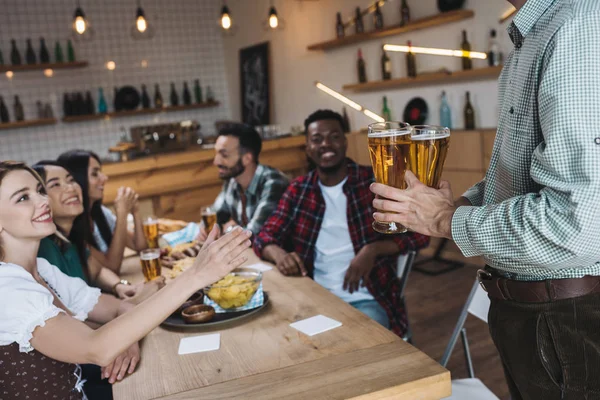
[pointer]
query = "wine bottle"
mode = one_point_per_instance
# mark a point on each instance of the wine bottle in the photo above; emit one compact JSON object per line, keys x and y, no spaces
{"x":15,"y":56}
{"x":411,"y":62}
{"x":80,"y":104}
{"x":445,"y":112}
{"x":404,"y":13}
{"x":339,"y":26}
{"x":145,"y":98}
{"x":173,"y":96}
{"x":67,"y":111}
{"x":102,"y":106}
{"x":48,"y":113}
{"x":346,"y":120}
{"x":70,"y":52}
{"x":89,"y":103}
{"x":4,"y":118}
{"x":469,"y":114}
{"x":40,"y":109}
{"x":29,"y":53}
{"x":362,"y":69}
{"x":494,"y":55}
{"x":158,"y":100}
{"x":58,"y":53}
{"x":198,"y":91}
{"x":210,"y":96}
{"x":116,"y":104}
{"x":187,"y":96}
{"x":1,"y":58}
{"x":19,"y":114}
{"x":377,"y":17}
{"x":466,"y":46}
{"x":386,"y":65}
{"x":359,"y":27}
{"x":385,"y":112}
{"x":44,"y":55}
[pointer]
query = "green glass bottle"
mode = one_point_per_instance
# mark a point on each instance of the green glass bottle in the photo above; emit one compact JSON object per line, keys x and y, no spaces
{"x":387,"y":114}
{"x":70,"y":52}
{"x":58,"y":53}
{"x":102,"y":107}
{"x":198,"y":91}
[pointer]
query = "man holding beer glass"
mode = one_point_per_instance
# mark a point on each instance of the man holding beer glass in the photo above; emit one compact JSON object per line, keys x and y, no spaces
{"x":535,"y":218}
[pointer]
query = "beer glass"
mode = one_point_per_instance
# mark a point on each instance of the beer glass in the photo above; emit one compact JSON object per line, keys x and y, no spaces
{"x":150,"y":259}
{"x":428,"y":152}
{"x":209,"y":218}
{"x":151,"y":232}
{"x":389,"y":148}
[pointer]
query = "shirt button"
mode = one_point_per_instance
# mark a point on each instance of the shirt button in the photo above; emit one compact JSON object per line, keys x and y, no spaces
{"x":518,"y":45}
{"x":597,"y":140}
{"x":512,"y":111}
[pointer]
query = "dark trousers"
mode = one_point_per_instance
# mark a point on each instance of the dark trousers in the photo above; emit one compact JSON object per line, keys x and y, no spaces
{"x":550,"y":351}
{"x":95,"y":387}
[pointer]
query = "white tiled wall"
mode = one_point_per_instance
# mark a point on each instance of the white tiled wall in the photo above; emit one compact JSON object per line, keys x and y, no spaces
{"x":187,"y":45}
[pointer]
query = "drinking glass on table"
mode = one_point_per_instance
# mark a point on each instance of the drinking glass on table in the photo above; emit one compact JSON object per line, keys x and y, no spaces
{"x":151,"y":232}
{"x":150,"y":260}
{"x":209,"y":218}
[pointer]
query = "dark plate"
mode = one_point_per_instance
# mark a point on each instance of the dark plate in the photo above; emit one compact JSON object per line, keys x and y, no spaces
{"x":176,"y":321}
{"x":128,"y":98}
{"x":416,"y":111}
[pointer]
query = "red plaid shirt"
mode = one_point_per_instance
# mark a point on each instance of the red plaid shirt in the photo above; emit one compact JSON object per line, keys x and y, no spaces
{"x":295,"y":226}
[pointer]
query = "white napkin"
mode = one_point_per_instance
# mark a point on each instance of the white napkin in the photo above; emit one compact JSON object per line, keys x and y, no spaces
{"x":315,"y":325}
{"x":198,"y":344}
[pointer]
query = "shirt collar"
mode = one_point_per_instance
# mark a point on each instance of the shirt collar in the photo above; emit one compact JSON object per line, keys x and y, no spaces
{"x":526,"y":18}
{"x":255,"y":179}
{"x":353,"y":175}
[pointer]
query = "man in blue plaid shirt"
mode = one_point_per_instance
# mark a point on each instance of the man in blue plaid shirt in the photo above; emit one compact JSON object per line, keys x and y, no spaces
{"x":535,"y":218}
{"x":251,"y":190}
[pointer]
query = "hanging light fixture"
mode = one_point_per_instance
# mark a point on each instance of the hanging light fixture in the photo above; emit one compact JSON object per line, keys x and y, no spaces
{"x":81,"y":26}
{"x":142,"y":29}
{"x":273,"y":22}
{"x":225,"y":18}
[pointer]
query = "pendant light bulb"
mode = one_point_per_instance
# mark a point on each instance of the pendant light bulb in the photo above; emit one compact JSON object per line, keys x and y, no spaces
{"x":273,"y":19}
{"x":140,"y":21}
{"x":225,"y":18}
{"x":79,"y":23}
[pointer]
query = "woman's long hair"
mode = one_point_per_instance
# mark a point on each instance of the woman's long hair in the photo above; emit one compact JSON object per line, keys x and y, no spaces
{"x":76,"y":240}
{"x":77,"y":163}
{"x":9,"y":166}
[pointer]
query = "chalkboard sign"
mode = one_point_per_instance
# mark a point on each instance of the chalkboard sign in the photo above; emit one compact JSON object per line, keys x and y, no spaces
{"x":255,"y":84}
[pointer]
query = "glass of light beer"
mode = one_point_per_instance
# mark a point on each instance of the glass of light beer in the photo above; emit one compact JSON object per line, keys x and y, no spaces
{"x":150,"y":259}
{"x":389,"y":149}
{"x":428,"y":152}
{"x":209,"y":218}
{"x":151,"y":232}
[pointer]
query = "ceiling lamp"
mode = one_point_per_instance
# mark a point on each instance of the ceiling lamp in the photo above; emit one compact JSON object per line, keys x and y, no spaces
{"x":274,"y":21}
{"x":81,"y":26}
{"x":141,"y":29}
{"x":225,"y":18}
{"x":435,"y":52}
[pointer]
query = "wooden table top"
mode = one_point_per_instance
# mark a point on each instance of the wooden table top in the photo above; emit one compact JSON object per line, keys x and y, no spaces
{"x":264,"y":358}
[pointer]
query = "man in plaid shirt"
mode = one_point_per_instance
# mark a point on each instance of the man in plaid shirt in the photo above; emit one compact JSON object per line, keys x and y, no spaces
{"x":251,"y":190}
{"x":535,"y":218}
{"x":322,"y":229}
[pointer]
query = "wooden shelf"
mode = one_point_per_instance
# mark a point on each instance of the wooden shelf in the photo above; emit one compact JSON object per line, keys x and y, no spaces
{"x":41,"y":67}
{"x":28,"y":124}
{"x":428,"y":79}
{"x":141,"y":111}
{"x":422,"y":23}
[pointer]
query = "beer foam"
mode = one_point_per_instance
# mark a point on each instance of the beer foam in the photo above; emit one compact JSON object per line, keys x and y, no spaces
{"x":389,"y":132}
{"x":431,"y":136}
{"x":149,"y":256}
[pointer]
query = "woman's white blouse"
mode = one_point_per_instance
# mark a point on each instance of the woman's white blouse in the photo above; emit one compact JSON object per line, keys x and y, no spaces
{"x":25,"y":304}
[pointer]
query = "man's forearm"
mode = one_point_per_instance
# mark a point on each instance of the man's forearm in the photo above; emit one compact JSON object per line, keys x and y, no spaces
{"x":383,"y":248}
{"x":272,"y":253}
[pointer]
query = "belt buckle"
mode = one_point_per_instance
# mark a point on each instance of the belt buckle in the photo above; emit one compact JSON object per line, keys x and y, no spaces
{"x":482,"y":275}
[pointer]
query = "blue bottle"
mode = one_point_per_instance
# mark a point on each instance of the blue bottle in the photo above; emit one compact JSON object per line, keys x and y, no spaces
{"x":102,"y":107}
{"x":445,"y":113}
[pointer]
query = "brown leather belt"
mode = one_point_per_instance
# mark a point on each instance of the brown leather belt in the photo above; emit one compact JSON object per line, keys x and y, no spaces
{"x":537,"y":292}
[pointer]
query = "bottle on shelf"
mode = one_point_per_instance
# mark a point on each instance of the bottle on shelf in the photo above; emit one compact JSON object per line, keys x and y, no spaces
{"x":158,"y":100}
{"x":385,"y":111}
{"x":89,"y":104}
{"x":210,"y":96}
{"x":4,"y":118}
{"x":359,"y":27}
{"x":102,"y":106}
{"x":361,"y":67}
{"x":48,"y":113}
{"x":19,"y":113}
{"x":58,"y":53}
{"x":378,"y":17}
{"x":339,"y":26}
{"x":116,"y":104}
{"x":386,"y":65}
{"x":198,"y":92}
{"x":44,"y":55}
{"x":469,"y":114}
{"x":404,"y":13}
{"x":145,"y":98}
{"x":445,"y":112}
{"x":173,"y":97}
{"x":411,"y":62}
{"x":467,"y":63}
{"x":346,"y":120}
{"x":40,"y":109}
{"x":1,"y":58}
{"x":80,"y":104}
{"x":494,"y":55}
{"x":67,"y":109}
{"x":29,"y":53}
{"x":187,"y":96}
{"x":15,"y":56}
{"x":70,"y":52}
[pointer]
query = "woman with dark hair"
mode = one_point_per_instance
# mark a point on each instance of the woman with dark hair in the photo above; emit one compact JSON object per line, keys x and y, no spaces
{"x":105,"y":232}
{"x":42,"y":331}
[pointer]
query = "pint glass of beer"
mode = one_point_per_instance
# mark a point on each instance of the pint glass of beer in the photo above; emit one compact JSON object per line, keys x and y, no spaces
{"x":209,"y":218}
{"x":151,"y":232}
{"x":150,"y":259}
{"x":428,"y":153}
{"x":389,"y":148}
